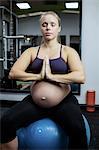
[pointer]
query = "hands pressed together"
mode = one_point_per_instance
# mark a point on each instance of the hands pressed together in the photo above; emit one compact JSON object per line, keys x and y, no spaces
{"x":46,"y":70}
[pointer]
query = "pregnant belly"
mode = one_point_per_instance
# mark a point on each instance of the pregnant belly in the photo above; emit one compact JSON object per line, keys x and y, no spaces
{"x":46,"y":94}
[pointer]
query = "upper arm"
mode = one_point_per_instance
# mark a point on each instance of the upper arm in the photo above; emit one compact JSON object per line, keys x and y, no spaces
{"x":23,"y":61}
{"x":74,"y":61}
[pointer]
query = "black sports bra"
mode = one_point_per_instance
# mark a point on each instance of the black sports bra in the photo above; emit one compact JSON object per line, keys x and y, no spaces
{"x":58,"y":65}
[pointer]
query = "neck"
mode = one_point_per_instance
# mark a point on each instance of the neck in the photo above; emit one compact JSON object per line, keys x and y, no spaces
{"x":51,"y":43}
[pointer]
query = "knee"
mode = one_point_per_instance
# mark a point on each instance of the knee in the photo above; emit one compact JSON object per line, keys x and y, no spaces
{"x":6,"y":121}
{"x":7,"y":129}
{"x":77,"y":126}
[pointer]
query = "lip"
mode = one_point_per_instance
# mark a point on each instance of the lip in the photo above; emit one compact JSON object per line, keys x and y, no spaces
{"x":48,"y":34}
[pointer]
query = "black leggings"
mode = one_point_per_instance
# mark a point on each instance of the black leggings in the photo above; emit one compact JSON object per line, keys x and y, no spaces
{"x":67,"y":114}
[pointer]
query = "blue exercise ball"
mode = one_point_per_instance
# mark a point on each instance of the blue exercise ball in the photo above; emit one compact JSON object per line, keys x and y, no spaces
{"x":43,"y":134}
{"x":88,"y":131}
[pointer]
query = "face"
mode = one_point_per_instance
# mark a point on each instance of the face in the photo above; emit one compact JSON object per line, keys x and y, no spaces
{"x":49,"y":27}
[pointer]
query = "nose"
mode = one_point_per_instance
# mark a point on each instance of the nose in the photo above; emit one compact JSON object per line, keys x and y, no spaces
{"x":48,"y":27}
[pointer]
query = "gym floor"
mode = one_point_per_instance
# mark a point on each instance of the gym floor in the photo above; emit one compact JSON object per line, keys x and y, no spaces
{"x":93,"y":118}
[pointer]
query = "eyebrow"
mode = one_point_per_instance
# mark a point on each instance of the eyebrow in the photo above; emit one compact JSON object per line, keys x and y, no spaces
{"x":47,"y":23}
{"x":44,"y":23}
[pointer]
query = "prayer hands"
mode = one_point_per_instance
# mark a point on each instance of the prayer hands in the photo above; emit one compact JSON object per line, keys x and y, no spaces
{"x":46,"y":70}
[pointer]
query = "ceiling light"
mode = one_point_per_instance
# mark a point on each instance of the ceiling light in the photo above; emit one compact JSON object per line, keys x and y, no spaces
{"x":71,"y":5}
{"x":23,"y":5}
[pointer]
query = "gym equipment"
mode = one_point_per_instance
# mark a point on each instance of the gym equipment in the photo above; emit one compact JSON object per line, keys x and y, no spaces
{"x":45,"y":134}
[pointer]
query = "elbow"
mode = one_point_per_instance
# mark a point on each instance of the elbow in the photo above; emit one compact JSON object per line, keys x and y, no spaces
{"x":11,"y":74}
{"x":82,"y":79}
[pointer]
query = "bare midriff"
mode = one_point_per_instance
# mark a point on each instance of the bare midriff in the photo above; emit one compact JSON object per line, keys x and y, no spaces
{"x":46,"y":94}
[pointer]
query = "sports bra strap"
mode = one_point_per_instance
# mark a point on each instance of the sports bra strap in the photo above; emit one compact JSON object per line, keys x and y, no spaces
{"x":61,"y":50}
{"x":38,"y":51}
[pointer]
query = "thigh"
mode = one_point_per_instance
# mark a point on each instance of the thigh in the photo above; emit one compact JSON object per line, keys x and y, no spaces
{"x":25,"y":112}
{"x":68,"y":113}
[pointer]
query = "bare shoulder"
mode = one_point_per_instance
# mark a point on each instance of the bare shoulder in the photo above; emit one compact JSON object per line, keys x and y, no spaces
{"x":32,"y":49}
{"x":70,"y":51}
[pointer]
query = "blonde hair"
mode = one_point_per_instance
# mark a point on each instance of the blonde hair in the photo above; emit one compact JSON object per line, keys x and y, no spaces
{"x":51,"y":13}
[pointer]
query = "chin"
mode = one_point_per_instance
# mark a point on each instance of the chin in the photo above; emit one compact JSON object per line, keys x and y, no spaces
{"x":49,"y":38}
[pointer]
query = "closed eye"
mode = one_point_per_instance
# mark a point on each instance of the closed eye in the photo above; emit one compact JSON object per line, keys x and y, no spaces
{"x":44,"y":24}
{"x":53,"y":24}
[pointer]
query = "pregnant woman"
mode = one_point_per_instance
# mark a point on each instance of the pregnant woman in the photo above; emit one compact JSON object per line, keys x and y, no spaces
{"x":53,"y":67}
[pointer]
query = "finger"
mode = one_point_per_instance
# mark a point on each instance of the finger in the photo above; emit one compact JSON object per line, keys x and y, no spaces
{"x":48,"y":69}
{"x":47,"y":60}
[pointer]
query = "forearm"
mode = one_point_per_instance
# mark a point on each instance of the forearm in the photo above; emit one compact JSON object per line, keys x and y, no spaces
{"x":23,"y":76}
{"x":73,"y":77}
